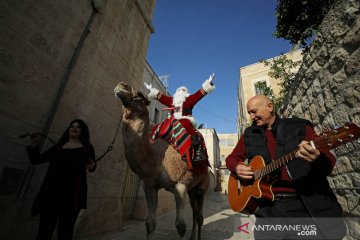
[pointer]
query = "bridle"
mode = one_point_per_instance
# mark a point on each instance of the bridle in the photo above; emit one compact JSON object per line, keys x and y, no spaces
{"x":136,"y":96}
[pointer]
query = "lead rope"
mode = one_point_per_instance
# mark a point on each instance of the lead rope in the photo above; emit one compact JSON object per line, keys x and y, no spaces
{"x":110,"y":147}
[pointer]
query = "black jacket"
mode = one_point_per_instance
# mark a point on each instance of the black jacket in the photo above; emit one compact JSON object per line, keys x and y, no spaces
{"x":309,"y":179}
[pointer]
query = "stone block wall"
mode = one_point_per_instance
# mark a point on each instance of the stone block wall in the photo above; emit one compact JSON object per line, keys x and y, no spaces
{"x":53,"y":70}
{"x":327,"y":91}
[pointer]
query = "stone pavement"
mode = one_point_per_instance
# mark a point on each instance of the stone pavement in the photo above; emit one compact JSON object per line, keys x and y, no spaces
{"x":220,"y":223}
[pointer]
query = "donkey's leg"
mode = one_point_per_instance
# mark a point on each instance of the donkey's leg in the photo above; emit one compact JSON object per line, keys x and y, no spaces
{"x":179,"y":193}
{"x":193,"y":203}
{"x":152,"y":201}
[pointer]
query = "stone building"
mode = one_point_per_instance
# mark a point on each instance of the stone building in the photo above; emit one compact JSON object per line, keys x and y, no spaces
{"x":156,"y":113}
{"x":212,"y":145}
{"x":61,"y":60}
{"x":227,"y":143}
{"x":327,"y":91}
{"x":250,"y":77}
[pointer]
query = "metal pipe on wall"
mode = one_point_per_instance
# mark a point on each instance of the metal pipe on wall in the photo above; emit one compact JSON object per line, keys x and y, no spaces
{"x":55,"y":105}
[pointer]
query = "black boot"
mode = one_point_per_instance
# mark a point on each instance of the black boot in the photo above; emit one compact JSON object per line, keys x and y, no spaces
{"x":199,"y":153}
{"x":198,"y":150}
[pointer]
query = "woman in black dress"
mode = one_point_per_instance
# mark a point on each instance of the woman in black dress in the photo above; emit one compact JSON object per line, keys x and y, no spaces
{"x":64,"y":189}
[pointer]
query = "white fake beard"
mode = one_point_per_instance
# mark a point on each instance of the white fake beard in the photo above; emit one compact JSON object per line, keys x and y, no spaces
{"x":179,"y":98}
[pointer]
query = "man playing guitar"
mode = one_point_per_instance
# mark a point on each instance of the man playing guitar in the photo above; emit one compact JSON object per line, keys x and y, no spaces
{"x":300,"y":188}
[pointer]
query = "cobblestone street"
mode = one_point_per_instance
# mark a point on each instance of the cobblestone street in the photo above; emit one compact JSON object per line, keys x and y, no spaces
{"x":220,"y":223}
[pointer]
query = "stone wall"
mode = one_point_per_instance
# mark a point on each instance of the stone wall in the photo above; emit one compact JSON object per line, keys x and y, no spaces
{"x":327,"y":91}
{"x":54,"y":69}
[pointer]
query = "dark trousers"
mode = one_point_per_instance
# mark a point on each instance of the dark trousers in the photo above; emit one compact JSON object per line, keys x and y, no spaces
{"x":292,"y":212}
{"x":65,"y":221}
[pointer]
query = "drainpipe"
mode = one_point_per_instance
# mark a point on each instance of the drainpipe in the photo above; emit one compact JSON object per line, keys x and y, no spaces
{"x":146,"y":19}
{"x":98,"y":6}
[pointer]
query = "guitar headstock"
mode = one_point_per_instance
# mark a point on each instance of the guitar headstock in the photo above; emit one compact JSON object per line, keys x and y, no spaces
{"x":336,"y":137}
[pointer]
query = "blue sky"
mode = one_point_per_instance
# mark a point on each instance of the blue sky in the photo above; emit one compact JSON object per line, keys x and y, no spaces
{"x":194,"y":38}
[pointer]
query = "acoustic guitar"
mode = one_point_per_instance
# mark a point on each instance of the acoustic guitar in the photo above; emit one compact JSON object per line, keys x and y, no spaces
{"x":242,"y":194}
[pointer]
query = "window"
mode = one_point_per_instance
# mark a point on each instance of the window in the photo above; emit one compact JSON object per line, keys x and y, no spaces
{"x":223,"y":142}
{"x":230,"y":142}
{"x":222,"y":157}
{"x":260,"y":87}
{"x":227,"y":142}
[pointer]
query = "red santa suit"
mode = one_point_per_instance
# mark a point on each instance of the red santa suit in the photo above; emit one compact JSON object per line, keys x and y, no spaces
{"x":179,"y":128}
{"x":183,"y":113}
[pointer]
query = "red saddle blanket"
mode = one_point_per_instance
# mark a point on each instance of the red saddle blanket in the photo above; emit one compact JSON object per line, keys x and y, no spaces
{"x":176,"y":135}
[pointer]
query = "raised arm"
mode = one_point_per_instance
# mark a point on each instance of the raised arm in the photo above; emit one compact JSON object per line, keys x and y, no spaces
{"x":34,"y":151}
{"x":208,"y":85}
{"x":153,"y":92}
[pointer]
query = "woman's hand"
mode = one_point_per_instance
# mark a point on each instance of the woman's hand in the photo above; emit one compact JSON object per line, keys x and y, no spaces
{"x":91,"y":165}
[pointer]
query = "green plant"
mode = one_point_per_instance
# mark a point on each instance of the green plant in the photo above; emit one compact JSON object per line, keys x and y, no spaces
{"x":298,"y":20}
{"x":281,"y":68}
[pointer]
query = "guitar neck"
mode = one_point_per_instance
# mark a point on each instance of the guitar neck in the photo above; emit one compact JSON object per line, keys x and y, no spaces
{"x":274,"y":165}
{"x":329,"y":139}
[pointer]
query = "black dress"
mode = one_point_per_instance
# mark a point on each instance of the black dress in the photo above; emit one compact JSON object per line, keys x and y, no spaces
{"x":64,"y":185}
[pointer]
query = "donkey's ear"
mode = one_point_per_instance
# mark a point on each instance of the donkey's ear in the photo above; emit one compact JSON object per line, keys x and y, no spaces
{"x":146,"y":101}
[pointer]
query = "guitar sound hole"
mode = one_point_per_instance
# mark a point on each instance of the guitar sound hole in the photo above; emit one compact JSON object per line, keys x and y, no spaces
{"x":247,"y":183}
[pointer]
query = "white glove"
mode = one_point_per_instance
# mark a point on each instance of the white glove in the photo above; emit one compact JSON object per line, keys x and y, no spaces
{"x":153,"y":92}
{"x":208,"y":86}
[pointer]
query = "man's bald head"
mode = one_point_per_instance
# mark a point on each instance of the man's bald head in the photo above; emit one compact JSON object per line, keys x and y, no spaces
{"x":261,"y":110}
{"x":260,"y":100}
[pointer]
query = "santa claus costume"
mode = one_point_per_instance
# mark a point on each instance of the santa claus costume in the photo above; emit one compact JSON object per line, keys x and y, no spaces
{"x":181,"y":106}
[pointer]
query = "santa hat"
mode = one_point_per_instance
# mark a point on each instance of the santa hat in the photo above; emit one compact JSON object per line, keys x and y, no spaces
{"x":183,"y":88}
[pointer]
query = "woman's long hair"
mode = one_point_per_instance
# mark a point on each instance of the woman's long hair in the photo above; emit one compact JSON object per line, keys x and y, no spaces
{"x":84,"y":135}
